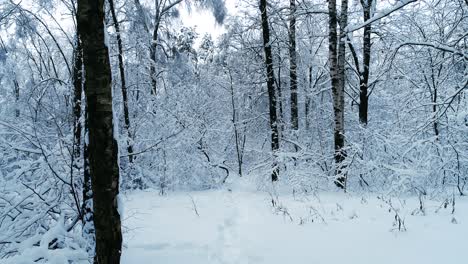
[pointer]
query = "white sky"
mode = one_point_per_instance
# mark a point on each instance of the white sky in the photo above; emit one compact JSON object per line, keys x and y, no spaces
{"x":204,"y":21}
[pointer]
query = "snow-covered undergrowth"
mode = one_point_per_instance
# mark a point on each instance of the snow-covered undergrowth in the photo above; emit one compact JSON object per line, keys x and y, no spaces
{"x":240,"y":225}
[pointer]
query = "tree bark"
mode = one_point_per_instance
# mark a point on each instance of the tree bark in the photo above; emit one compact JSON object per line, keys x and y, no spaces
{"x":337,"y":74}
{"x":308,"y":98}
{"x":271,"y":87}
{"x":77,"y":91}
{"x":103,"y":148}
{"x":17,"y":97}
{"x":293,"y":66}
{"x":364,"y":76}
{"x":279,"y":98}
{"x":78,"y":87}
{"x":89,"y":232}
{"x":153,"y":48}
{"x":237,"y":134}
{"x":122,"y":82}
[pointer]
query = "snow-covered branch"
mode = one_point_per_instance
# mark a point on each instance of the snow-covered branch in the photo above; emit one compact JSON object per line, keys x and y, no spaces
{"x":435,"y":46}
{"x":379,"y":16}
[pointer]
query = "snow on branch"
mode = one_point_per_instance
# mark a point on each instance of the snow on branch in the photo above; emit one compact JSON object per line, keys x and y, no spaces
{"x":379,"y":16}
{"x":435,"y":46}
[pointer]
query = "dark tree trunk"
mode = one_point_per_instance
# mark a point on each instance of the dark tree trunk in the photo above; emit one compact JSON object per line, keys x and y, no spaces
{"x":87,"y":207}
{"x":435,"y":125}
{"x":103,"y":148}
{"x":293,"y":65}
{"x":123,"y":82}
{"x":363,"y":103}
{"x":237,"y":134}
{"x":279,"y":97}
{"x":154,"y":39}
{"x":270,"y":86}
{"x":364,"y":77}
{"x":17,"y":97}
{"x":337,"y":71}
{"x":434,"y":94}
{"x":308,"y":99}
{"x":78,"y":86}
{"x":153,"y":49}
{"x":77,"y":91}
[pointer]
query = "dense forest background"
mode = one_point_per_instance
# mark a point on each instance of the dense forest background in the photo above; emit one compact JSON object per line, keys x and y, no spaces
{"x":373,"y":99}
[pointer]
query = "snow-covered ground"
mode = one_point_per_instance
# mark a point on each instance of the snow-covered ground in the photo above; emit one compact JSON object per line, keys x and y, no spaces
{"x":242,"y":226}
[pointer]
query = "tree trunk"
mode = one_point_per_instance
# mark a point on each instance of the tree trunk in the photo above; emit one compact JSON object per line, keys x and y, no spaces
{"x":308,"y":98}
{"x":239,"y":148}
{"x":293,"y":66}
{"x":123,"y":82}
{"x":364,"y":78}
{"x":271,"y":87}
{"x":153,"y":49}
{"x":77,"y":91}
{"x":17,"y":97}
{"x":141,"y":16}
{"x":103,"y":148}
{"x":279,"y":97}
{"x":337,"y":62}
{"x":87,"y":207}
{"x":435,"y":124}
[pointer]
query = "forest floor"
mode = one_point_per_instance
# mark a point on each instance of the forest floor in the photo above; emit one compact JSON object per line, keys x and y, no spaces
{"x":240,"y":226}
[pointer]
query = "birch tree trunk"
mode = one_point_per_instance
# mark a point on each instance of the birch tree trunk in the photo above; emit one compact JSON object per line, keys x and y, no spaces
{"x":103,"y":148}
{"x":337,"y":50}
{"x":271,"y":87}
